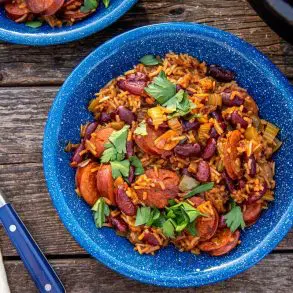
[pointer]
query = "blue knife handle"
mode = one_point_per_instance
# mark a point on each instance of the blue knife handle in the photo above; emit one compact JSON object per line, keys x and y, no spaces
{"x":36,"y":263}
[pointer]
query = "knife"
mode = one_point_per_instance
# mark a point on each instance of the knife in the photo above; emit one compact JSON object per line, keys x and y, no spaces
{"x":36,"y":263}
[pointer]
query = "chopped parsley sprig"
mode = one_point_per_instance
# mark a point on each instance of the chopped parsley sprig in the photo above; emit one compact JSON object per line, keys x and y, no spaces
{"x":234,"y":219}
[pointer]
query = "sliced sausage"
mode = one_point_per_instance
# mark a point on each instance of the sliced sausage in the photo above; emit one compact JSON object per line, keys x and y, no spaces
{"x":147,"y":143}
{"x":233,"y":241}
{"x":53,"y":8}
{"x":105,"y":183}
{"x":99,"y":138}
{"x":87,"y":184}
{"x":219,"y":240}
{"x":231,"y":155}
{"x":14,"y":12}
{"x":124,"y":203}
{"x":156,"y":196}
{"x":251,"y":213}
{"x":207,"y":226}
{"x":255,"y":196}
{"x":38,"y":6}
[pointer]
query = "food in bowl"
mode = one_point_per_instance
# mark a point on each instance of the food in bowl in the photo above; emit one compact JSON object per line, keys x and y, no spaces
{"x":54,"y":12}
{"x":177,"y":154}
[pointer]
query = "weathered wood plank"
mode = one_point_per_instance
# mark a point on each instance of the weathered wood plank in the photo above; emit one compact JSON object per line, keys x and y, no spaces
{"x":23,"y":112}
{"x":26,"y":66}
{"x":271,"y":275}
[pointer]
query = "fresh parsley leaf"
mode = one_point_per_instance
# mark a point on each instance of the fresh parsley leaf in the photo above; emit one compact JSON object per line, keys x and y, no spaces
{"x":168,"y":228}
{"x":180,"y":104}
{"x":118,"y":139}
{"x":115,"y":149}
{"x":120,"y":168}
{"x":106,"y":3}
{"x":199,"y":189}
{"x":161,"y":88}
{"x":101,"y":211}
{"x":234,"y":219}
{"x":143,"y":215}
{"x":171,"y":202}
{"x":191,"y":229}
{"x":150,"y":60}
{"x":160,"y":221}
{"x":89,"y":5}
{"x":141,"y":129}
{"x":34,"y":24}
{"x":135,"y":161}
{"x":155,"y":215}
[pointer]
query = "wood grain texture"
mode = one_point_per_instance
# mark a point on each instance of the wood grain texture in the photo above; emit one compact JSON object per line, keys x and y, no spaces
{"x":21,"y":65}
{"x":30,"y":77}
{"x":88,"y":276}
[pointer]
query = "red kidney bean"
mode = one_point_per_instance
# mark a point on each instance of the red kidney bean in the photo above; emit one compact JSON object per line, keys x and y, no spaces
{"x":209,"y":149}
{"x":222,"y":222}
{"x":190,"y":125}
{"x":118,"y":223}
{"x":236,"y":101}
{"x":187,"y":150}
{"x":255,"y":196}
{"x":237,"y":119}
{"x":77,"y":158}
{"x":217,"y":115}
{"x":186,"y":172}
{"x":134,"y":83}
{"x":213,"y":133}
{"x":241,"y":183}
{"x":203,"y":171}
{"x":126,"y":115}
{"x":90,"y":129}
{"x":124,"y":202}
{"x":164,"y":125}
{"x":129,"y":148}
{"x":105,"y":117}
{"x":151,"y":239}
{"x":178,"y":87}
{"x":220,"y":74}
{"x":251,"y":166}
{"x":131,"y":174}
{"x":229,"y":182}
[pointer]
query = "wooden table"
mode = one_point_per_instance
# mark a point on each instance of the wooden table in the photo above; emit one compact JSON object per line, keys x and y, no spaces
{"x":30,"y":78}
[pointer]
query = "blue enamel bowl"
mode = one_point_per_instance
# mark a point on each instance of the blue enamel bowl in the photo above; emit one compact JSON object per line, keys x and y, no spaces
{"x":13,"y":32}
{"x":169,"y":267}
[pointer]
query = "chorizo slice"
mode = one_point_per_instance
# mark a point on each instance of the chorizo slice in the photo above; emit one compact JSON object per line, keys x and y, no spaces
{"x":251,"y":213}
{"x":86,"y":180}
{"x":105,"y":183}
{"x":233,"y":241}
{"x":231,"y":159}
{"x":99,"y":138}
{"x":219,"y":240}
{"x":147,"y":142}
{"x":124,"y":203}
{"x":165,"y":186}
{"x":207,"y":226}
{"x":38,"y":6}
{"x":14,"y":12}
{"x":53,"y":8}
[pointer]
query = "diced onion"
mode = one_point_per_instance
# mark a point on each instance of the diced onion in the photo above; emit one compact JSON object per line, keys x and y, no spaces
{"x":203,"y":131}
{"x":187,"y":183}
{"x":270,"y":132}
{"x":277,"y":143}
{"x":158,"y":115}
{"x":215,"y":100}
{"x":251,"y":133}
